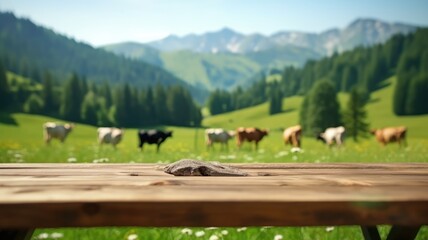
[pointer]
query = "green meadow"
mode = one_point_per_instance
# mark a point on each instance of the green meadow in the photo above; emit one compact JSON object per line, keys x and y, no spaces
{"x":21,"y":141}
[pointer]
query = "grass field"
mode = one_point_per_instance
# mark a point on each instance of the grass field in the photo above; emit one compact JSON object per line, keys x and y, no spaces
{"x":21,"y":141}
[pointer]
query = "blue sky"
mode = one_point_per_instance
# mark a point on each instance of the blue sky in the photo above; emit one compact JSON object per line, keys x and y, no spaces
{"x":99,"y":22}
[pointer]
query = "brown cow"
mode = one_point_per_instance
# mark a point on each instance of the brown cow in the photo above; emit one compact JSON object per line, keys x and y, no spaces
{"x":390,"y":134}
{"x":250,"y":135}
{"x":292,"y":136}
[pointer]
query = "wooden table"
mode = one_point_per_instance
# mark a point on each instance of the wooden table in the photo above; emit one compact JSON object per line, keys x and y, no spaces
{"x":90,"y":195}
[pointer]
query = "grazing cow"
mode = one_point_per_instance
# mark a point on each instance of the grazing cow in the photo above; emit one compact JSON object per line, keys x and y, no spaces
{"x":390,"y":134}
{"x":218,"y":135}
{"x":53,"y":130}
{"x":110,"y":135}
{"x":332,"y":135}
{"x":250,"y":135}
{"x":292,"y":136}
{"x":153,"y":136}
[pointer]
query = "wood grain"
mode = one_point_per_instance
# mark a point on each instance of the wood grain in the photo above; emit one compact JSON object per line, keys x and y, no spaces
{"x":73,"y":195}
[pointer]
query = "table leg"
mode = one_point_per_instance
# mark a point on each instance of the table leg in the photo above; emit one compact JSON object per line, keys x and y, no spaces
{"x":16,"y":234}
{"x":370,"y":232}
{"x":403,"y":232}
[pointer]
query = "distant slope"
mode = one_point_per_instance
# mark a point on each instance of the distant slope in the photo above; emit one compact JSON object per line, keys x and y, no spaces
{"x":26,"y":47}
{"x":204,"y":70}
{"x":379,"y":114}
{"x":215,"y":70}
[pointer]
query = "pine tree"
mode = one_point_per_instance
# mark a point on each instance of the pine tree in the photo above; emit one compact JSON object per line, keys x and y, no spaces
{"x":48,"y":95}
{"x":322,"y":108}
{"x":89,"y":109}
{"x":161,"y":106}
{"x":71,"y":101}
{"x":355,"y":115}
{"x":5,"y":100}
{"x":34,"y":104}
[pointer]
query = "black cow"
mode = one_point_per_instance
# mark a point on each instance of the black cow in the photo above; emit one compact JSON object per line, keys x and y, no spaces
{"x":153,"y":136}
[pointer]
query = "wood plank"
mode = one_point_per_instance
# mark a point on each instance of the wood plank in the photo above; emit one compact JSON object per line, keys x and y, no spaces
{"x":232,"y":214}
{"x":66,"y":195}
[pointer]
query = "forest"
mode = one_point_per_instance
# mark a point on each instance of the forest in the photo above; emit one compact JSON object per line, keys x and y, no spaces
{"x":364,"y":68}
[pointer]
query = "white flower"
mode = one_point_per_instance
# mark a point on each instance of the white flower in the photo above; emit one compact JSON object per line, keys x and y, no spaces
{"x":224,"y":232}
{"x":213,"y":237}
{"x":278,"y":237}
{"x":211,"y":228}
{"x":43,"y":236}
{"x":329,"y":229}
{"x":17,"y":155}
{"x":241,"y":229}
{"x":199,"y":233}
{"x":296,"y":149}
{"x":72,"y":159}
{"x":56,"y":235}
{"x":132,"y":237}
{"x":295,"y":158}
{"x":187,"y":231}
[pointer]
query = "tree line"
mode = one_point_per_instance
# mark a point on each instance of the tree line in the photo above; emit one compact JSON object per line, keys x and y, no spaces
{"x":78,"y":100}
{"x":405,"y":56}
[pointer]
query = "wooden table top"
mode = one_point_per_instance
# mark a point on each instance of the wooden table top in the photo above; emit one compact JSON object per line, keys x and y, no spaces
{"x":74,"y":195}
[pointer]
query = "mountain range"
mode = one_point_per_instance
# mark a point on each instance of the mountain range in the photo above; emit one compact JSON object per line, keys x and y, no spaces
{"x":226,"y":58}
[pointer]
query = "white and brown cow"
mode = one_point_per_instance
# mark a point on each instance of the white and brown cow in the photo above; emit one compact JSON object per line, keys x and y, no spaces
{"x":390,"y":134}
{"x":109,"y":135}
{"x":332,"y":135}
{"x":58,"y":131}
{"x":218,"y":135}
{"x":292,"y":136}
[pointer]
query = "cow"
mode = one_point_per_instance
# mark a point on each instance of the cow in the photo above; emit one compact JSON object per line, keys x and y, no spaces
{"x":332,"y":135}
{"x":110,"y":135}
{"x":250,"y":135}
{"x":153,"y":136}
{"x":218,"y":135}
{"x":390,"y":134}
{"x":292,"y":136}
{"x":54,"y":130}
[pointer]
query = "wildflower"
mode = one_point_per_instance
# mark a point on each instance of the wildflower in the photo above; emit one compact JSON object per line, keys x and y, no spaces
{"x":71,"y":160}
{"x":43,"y":236}
{"x":132,"y":237}
{"x":224,"y":232}
{"x":295,"y":158}
{"x":213,"y":237}
{"x":187,"y":231}
{"x":278,"y":237}
{"x":211,"y":228}
{"x":241,"y":229}
{"x":199,"y":233}
{"x":296,"y":149}
{"x":329,"y":229}
{"x":17,"y":155}
{"x":56,"y":235}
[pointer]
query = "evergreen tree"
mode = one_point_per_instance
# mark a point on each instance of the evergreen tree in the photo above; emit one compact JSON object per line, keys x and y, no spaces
{"x":5,"y":100}
{"x":71,"y":101}
{"x":34,"y":104}
{"x":322,"y":108}
{"x":122,"y":99}
{"x":161,"y":106}
{"x":275,"y":99}
{"x":89,"y":109}
{"x":48,"y":95}
{"x":355,"y":115}
{"x":214,"y":103}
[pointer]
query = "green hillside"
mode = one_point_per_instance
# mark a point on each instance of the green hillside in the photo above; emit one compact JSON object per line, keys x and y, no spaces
{"x":379,"y":114}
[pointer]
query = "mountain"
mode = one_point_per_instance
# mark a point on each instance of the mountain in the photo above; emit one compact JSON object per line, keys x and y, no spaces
{"x":221,"y":70}
{"x":27,"y":48}
{"x":225,"y":58}
{"x":360,"y":32}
